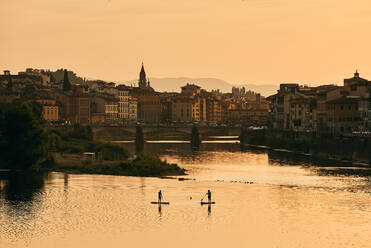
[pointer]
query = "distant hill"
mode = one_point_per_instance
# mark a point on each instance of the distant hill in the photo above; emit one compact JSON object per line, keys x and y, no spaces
{"x":174,"y":84}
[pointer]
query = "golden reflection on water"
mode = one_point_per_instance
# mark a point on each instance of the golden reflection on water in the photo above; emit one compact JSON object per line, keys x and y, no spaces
{"x":259,"y":203}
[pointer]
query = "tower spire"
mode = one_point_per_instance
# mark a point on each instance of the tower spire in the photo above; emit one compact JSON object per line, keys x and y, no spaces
{"x":142,"y":78}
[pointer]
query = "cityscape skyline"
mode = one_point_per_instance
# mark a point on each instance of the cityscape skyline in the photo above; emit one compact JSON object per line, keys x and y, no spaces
{"x":241,"y":42}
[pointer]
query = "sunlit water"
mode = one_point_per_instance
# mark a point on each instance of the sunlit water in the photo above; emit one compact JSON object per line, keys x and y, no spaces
{"x":263,"y":199}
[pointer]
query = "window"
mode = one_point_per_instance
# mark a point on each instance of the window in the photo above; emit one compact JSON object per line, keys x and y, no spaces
{"x":350,"y":107}
{"x":342,"y":107}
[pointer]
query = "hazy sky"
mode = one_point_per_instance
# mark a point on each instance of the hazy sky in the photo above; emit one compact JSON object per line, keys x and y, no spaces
{"x":241,"y":41}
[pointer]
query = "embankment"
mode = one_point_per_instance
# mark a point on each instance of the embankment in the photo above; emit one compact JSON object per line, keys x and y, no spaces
{"x":321,"y":145}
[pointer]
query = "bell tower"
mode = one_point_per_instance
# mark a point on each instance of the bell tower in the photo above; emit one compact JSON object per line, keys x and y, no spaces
{"x":142,"y":78}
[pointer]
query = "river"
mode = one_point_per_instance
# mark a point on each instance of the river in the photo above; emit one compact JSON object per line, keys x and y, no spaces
{"x":263,"y":198}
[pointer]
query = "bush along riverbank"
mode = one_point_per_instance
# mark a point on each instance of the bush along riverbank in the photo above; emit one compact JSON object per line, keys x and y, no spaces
{"x":319,"y":145}
{"x":142,"y":165}
{"x":70,"y":147}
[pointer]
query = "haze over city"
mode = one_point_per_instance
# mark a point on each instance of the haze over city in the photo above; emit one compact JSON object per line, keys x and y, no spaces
{"x":249,"y":41}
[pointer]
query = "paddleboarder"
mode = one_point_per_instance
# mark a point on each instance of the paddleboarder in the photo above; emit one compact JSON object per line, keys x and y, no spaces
{"x":209,"y":195}
{"x":159,"y":196}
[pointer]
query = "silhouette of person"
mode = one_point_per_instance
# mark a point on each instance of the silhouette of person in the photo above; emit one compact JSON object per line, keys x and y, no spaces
{"x":159,"y":196}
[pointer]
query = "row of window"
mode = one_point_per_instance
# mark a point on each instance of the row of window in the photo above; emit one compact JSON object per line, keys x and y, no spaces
{"x":342,"y":107}
{"x":344,"y":119}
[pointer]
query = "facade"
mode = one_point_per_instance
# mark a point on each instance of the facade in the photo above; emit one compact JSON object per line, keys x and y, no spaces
{"x":81,"y":107}
{"x":128,"y":105}
{"x":133,"y":110}
{"x":50,"y":109}
{"x":214,"y":111}
{"x":188,"y":109}
{"x":74,"y":107}
{"x":280,"y":105}
{"x":343,"y":115}
{"x":111,"y":111}
{"x":364,"y":109}
{"x":302,"y":114}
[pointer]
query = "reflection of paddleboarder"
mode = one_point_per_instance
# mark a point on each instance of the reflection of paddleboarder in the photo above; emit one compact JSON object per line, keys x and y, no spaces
{"x":159,"y":196}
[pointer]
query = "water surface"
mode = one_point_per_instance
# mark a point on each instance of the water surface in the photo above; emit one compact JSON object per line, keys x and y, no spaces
{"x":263,"y":199}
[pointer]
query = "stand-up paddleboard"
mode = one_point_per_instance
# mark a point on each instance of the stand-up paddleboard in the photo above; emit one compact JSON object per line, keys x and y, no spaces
{"x":203,"y":203}
{"x":166,"y":203}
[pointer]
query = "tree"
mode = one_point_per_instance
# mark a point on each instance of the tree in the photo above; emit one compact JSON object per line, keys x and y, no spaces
{"x":66,"y":82}
{"x":10,"y":84}
{"x":23,"y":141}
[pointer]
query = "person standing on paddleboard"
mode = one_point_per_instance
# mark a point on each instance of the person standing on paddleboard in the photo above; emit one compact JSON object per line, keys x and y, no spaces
{"x":159,"y":196}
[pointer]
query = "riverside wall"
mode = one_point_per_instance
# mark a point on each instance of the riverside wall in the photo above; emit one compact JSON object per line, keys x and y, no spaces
{"x":322,"y":145}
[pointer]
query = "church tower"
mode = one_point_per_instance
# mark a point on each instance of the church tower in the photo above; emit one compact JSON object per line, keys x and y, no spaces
{"x":142,"y":78}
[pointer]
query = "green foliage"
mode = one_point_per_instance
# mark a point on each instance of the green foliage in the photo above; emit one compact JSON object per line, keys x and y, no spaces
{"x":58,"y":76}
{"x":81,"y":132}
{"x":79,"y":139}
{"x":143,"y":165}
{"x":150,"y":165}
{"x":66,"y":82}
{"x":23,"y":141}
{"x":109,"y":151}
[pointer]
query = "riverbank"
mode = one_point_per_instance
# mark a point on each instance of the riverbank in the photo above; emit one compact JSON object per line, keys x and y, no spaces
{"x":351,"y":149}
{"x":143,"y":166}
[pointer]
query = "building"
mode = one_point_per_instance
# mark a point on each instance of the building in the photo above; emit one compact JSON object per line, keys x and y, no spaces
{"x":50,"y":109}
{"x":74,"y":106}
{"x":133,"y":110}
{"x":343,"y":115}
{"x":364,"y":109}
{"x":190,"y":90}
{"x":148,"y":101}
{"x":302,"y":114}
{"x":215,"y":111}
{"x":111,"y":111}
{"x":348,"y":106}
{"x":188,"y":109}
{"x":128,"y":105}
{"x":280,"y":105}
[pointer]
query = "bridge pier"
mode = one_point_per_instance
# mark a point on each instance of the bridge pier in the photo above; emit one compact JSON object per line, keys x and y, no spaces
{"x":139,"y":140}
{"x":195,"y":138}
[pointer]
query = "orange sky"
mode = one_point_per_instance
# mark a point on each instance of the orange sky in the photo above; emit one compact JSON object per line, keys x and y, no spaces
{"x":241,"y":41}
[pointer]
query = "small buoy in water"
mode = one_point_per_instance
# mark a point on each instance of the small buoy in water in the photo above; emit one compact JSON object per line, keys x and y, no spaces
{"x":190,"y":198}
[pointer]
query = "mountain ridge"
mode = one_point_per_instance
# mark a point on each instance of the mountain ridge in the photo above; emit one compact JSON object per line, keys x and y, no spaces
{"x":174,"y":84}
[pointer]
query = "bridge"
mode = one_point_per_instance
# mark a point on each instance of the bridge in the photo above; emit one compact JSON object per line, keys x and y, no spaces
{"x":161,"y":131}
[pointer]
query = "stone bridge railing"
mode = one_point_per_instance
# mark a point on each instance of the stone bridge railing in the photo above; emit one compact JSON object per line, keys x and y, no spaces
{"x":122,"y":131}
